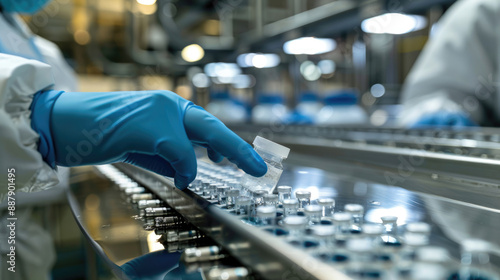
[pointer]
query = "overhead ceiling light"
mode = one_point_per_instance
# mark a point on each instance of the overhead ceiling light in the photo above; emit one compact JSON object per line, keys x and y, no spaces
{"x":393,"y":23}
{"x":258,"y":60}
{"x":146,"y":2}
{"x":192,"y":53}
{"x":310,"y":71}
{"x":309,"y":45}
{"x":326,"y":66}
{"x":222,"y":72}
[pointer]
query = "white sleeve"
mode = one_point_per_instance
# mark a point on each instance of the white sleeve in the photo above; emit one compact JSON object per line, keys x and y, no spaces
{"x":20,"y":79}
{"x":456,"y":64}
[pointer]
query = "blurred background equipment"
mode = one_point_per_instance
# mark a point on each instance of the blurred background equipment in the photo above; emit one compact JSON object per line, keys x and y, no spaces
{"x":262,"y":55}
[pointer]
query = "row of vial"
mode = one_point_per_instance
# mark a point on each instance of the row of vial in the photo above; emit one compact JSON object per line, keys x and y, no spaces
{"x":342,"y":239}
{"x":176,"y":234}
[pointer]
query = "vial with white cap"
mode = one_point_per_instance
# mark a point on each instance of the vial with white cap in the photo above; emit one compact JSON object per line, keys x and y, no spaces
{"x":290,"y":207}
{"x":475,"y":260}
{"x":357,"y":211}
{"x":284,"y":192}
{"x":342,"y":222}
{"x":328,"y":206}
{"x":271,"y":200}
{"x":296,"y":226}
{"x":432,"y":263}
{"x":231,"y":197}
{"x":266,"y":215}
{"x":326,"y":237}
{"x":304,"y":198}
{"x":273,"y":154}
{"x":243,"y":207}
{"x":313,"y":213}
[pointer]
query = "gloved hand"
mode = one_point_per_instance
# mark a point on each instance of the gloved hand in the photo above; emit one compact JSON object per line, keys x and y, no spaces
{"x":151,"y":129}
{"x":444,"y":119}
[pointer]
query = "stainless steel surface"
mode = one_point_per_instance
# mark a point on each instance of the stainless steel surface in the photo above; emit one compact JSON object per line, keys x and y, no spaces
{"x":451,"y":221}
{"x":457,"y":167}
{"x":456,"y":194}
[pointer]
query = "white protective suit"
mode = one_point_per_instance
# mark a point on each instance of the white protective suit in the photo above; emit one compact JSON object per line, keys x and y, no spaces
{"x":28,"y":64}
{"x":458,"y":69}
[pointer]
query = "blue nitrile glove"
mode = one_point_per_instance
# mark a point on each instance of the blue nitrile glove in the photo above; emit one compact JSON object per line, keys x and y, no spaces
{"x":151,"y":129}
{"x":444,"y":119}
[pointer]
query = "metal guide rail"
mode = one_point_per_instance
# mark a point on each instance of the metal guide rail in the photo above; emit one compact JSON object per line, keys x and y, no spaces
{"x":282,"y":238}
{"x":476,"y":142}
{"x":458,"y":164}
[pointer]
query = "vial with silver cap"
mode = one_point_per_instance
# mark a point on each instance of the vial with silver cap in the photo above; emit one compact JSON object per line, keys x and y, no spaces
{"x":273,"y":154}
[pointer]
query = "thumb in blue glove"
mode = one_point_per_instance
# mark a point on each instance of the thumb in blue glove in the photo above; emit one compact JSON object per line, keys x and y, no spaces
{"x":151,"y":129}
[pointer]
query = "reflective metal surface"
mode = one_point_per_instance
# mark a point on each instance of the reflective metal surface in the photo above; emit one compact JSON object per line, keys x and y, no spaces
{"x":457,"y":194}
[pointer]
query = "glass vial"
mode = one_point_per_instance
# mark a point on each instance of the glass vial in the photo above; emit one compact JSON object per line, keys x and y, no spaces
{"x":231,"y":197}
{"x":243,"y":207}
{"x":304,"y":198}
{"x":284,"y":192}
{"x":356,"y":211}
{"x":271,"y":200}
{"x":273,"y":155}
{"x":290,"y":207}
{"x":328,"y":206}
{"x":313,"y":213}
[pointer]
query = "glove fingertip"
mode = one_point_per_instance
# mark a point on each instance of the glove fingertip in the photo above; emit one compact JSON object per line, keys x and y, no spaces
{"x":257,"y":166}
{"x":181,"y":182}
{"x":214,"y":156}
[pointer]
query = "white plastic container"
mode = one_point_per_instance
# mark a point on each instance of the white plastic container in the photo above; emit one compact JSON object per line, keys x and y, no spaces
{"x":309,"y":105}
{"x":273,"y":155}
{"x":270,"y":110}
{"x":225,"y":109}
{"x":341,"y":109}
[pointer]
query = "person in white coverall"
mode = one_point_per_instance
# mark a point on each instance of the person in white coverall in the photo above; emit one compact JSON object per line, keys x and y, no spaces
{"x":44,"y":124}
{"x":455,"y":80}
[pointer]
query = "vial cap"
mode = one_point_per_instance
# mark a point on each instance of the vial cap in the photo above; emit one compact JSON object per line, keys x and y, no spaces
{"x":233,"y":193}
{"x":422,"y":228}
{"x":389,"y":219}
{"x":266,"y":211}
{"x":342,"y":217}
{"x":475,"y":245}
{"x":432,"y":254}
{"x":359,"y":245}
{"x":303,"y":194}
{"x":326,"y":201}
{"x":271,"y":147}
{"x":353,"y":208}
{"x":290,"y":203}
{"x":222,"y":189}
{"x":295,"y":221}
{"x":243,"y":200}
{"x":284,"y":189}
{"x":323,"y":231}
{"x":373,"y":229}
{"x":260,"y":193}
{"x":313,"y":209}
{"x":270,"y":197}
